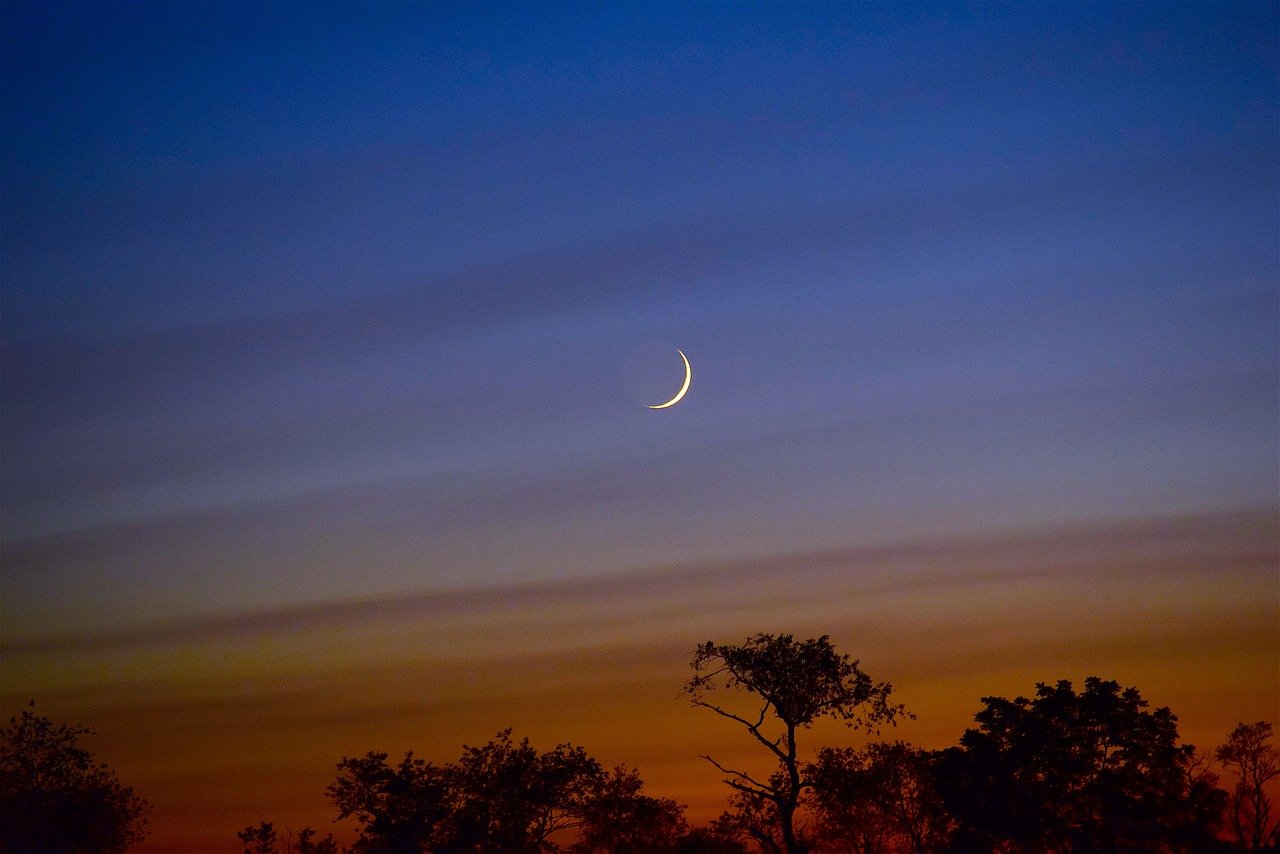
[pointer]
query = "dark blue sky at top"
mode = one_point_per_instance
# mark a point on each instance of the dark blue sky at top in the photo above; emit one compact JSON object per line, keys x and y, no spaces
{"x":293,"y":288}
{"x":330,"y":148}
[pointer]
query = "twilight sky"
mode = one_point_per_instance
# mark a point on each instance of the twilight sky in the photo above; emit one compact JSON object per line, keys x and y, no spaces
{"x":328,"y":330}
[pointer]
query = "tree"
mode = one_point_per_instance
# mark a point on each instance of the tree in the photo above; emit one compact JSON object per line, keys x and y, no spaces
{"x":1068,"y":772}
{"x":308,"y":844}
{"x":55,"y":799}
{"x":794,"y":684}
{"x":502,"y":796}
{"x":1255,"y":762}
{"x":262,"y":838}
{"x":618,"y":819}
{"x":509,"y":797}
{"x":259,"y":838}
{"x":753,"y":817}
{"x":880,"y":798}
{"x":847,"y":814}
{"x":399,"y":808}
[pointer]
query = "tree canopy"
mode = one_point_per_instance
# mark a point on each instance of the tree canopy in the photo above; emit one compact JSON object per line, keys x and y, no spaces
{"x":1075,"y":772}
{"x":503,"y":796}
{"x":398,"y":807}
{"x":880,"y":798}
{"x":510,"y":797}
{"x":56,"y":799}
{"x":618,"y":818}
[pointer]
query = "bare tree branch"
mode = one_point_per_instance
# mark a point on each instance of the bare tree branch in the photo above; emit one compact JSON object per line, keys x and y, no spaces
{"x":762,"y":789}
{"x":753,"y":728}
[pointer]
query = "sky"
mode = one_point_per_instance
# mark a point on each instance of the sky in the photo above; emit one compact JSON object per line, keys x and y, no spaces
{"x":329,"y":333}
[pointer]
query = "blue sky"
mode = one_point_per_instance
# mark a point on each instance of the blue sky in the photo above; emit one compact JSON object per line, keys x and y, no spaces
{"x":317,"y":301}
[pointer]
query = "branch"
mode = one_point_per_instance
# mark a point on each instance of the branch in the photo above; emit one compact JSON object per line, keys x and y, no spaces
{"x":712,"y":674}
{"x":753,"y":728}
{"x":761,"y":789}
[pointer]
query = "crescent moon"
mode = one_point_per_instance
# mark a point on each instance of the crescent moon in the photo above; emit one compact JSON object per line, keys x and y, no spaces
{"x":688,"y":375}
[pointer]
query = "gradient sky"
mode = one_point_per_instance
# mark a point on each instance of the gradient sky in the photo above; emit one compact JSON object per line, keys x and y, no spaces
{"x":328,"y":330}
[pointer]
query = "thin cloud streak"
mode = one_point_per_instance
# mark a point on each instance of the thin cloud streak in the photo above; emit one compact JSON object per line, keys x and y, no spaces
{"x":609,"y":516}
{"x":149,"y":422}
{"x":1242,"y":540}
{"x":670,"y":262}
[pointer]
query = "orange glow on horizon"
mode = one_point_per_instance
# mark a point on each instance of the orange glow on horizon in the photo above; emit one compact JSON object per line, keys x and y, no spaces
{"x":227,"y":725}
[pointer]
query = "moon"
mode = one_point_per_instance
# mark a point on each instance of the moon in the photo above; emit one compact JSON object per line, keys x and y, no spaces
{"x":688,"y":375}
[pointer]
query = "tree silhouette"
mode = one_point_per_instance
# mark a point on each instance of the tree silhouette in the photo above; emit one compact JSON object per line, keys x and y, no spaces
{"x":399,"y":808}
{"x":794,"y":684}
{"x":502,"y":796}
{"x":263,"y":839}
{"x":1255,"y":762}
{"x":1063,"y":772}
{"x":55,"y":799}
{"x":753,"y":817}
{"x":846,"y":807}
{"x":1069,"y":772}
{"x":618,"y":819}
{"x":509,"y":797}
{"x":306,"y":843}
{"x":880,"y":798}
{"x":259,"y":838}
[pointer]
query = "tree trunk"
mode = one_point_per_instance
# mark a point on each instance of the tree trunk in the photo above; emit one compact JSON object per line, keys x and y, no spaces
{"x":787,"y":810}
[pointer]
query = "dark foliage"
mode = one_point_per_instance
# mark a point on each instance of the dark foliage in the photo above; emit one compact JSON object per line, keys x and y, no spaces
{"x":619,"y":819}
{"x":262,"y":838}
{"x":1067,"y":772}
{"x":503,"y":796}
{"x":398,"y":808}
{"x":306,"y":843}
{"x":509,"y":797}
{"x":55,"y":799}
{"x":259,"y":838}
{"x":880,"y":798}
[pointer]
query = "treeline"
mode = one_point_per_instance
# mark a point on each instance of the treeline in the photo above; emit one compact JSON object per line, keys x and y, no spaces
{"x":1064,"y":770}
